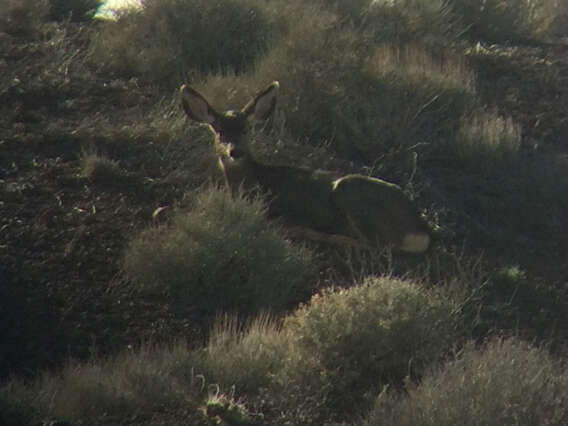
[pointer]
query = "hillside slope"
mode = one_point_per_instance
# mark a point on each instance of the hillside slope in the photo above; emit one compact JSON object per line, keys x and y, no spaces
{"x":63,"y":233}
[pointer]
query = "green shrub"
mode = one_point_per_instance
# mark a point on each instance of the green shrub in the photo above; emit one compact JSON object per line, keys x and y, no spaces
{"x":75,"y":10}
{"x":508,"y":383}
{"x":22,"y":17}
{"x":350,"y":343}
{"x":169,"y":39}
{"x":222,"y":254}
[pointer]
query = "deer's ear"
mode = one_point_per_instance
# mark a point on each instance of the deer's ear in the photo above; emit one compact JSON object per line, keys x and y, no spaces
{"x":262,"y":106}
{"x":196,"y":106}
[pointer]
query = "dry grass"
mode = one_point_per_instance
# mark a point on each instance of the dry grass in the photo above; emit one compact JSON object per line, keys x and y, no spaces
{"x":99,"y":168}
{"x":487,"y":139}
{"x":165,"y":40}
{"x":502,"y":21}
{"x":448,"y":68}
{"x":431,"y":23}
{"x":23,"y":17}
{"x":243,"y":355}
{"x":130,"y":384}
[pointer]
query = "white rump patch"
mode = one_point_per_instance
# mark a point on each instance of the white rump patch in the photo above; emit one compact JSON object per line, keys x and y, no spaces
{"x":415,"y":243}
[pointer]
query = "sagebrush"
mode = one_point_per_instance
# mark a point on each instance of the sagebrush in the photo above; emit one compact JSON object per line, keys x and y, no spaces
{"x":222,"y":254}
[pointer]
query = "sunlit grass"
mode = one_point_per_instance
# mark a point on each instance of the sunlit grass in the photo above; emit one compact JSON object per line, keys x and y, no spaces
{"x":446,"y":67}
{"x":110,"y":7}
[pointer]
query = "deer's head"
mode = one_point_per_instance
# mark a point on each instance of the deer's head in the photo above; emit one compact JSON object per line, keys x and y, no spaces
{"x":230,"y":127}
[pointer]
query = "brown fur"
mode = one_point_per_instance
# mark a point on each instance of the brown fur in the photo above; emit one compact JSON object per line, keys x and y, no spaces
{"x":362,"y":210}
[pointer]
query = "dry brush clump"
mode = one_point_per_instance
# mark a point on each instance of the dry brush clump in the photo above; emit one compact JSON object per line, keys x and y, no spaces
{"x":27,"y":17}
{"x":325,"y":362}
{"x":410,"y":21}
{"x":420,"y":94}
{"x":321,"y":363}
{"x":340,"y":90}
{"x":508,"y":382}
{"x":222,"y":254}
{"x":500,"y":21}
{"x":329,"y":358}
{"x":23,"y":17}
{"x":243,"y":355}
{"x":134,"y":383}
{"x":486,"y":140}
{"x":100,"y":168}
{"x":348,"y":344}
{"x":339,"y":86}
{"x":164,"y":41}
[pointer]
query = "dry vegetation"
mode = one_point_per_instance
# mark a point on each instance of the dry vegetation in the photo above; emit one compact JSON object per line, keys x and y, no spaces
{"x":135,"y":291}
{"x":506,"y":382}
{"x":222,"y":255}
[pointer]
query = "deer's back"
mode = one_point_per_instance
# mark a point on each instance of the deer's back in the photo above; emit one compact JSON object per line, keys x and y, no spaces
{"x":301,"y":193}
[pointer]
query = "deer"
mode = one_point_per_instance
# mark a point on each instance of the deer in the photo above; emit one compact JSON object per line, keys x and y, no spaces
{"x":364,"y":210}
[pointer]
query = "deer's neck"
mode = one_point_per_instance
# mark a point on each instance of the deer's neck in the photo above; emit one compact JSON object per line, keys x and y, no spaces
{"x":241,"y":171}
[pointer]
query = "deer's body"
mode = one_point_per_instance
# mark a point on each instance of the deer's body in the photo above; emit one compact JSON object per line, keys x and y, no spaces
{"x":367,"y":209}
